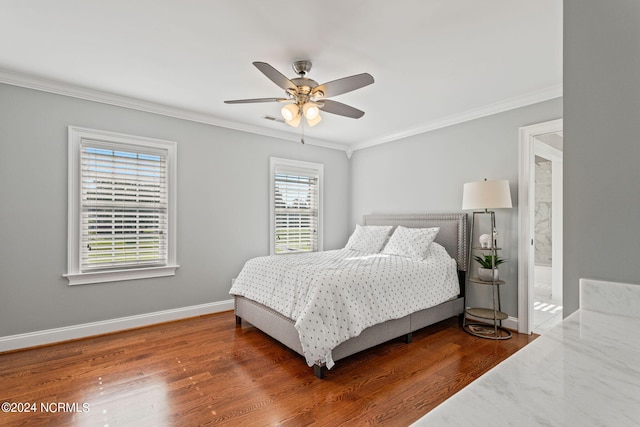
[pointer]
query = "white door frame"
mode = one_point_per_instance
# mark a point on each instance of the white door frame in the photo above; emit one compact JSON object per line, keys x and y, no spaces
{"x":526,"y":179}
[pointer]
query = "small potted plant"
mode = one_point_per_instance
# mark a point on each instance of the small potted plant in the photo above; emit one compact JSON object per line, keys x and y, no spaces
{"x":487,"y":264}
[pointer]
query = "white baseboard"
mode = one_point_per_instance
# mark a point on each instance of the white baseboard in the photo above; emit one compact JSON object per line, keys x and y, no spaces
{"x":50,"y":336}
{"x":511,"y":323}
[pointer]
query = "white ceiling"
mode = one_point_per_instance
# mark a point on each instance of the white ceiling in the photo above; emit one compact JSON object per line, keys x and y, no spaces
{"x":435,"y":62}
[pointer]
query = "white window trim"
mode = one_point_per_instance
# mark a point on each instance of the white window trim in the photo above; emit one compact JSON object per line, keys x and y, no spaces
{"x":273,"y":163}
{"x":74,"y":275}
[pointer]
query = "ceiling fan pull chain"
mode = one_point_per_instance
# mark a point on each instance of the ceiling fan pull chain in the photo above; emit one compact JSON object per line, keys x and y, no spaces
{"x":302,"y":132}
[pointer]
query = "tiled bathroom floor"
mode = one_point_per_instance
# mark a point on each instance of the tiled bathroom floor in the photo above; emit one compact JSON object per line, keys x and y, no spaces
{"x":547,"y":311}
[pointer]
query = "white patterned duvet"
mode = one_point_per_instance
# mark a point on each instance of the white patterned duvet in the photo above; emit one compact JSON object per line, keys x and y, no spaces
{"x":334,"y":295}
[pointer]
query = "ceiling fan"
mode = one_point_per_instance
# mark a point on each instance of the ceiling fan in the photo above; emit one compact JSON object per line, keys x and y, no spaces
{"x":305,"y":97}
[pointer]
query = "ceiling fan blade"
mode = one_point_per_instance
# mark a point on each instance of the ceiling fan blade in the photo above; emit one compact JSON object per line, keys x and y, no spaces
{"x":335,"y":107}
{"x":344,"y":85}
{"x":275,"y":76}
{"x":249,"y":101}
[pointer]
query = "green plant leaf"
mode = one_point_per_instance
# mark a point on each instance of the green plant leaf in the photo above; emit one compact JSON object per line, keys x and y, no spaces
{"x":486,"y":260}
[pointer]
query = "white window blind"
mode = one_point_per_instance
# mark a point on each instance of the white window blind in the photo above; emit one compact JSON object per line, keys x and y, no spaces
{"x":122,"y":207}
{"x":296,"y":207}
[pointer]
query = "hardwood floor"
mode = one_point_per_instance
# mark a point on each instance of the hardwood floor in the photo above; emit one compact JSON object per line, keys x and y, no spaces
{"x":207,"y":371}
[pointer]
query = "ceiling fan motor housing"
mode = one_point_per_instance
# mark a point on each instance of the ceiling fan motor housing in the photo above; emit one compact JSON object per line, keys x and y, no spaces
{"x":305,"y":87}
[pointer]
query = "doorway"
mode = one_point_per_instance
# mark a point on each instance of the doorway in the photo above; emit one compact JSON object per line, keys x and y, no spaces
{"x":540,"y":223}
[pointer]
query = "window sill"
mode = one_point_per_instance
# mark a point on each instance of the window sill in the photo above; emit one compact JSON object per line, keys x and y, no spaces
{"x":118,"y":275}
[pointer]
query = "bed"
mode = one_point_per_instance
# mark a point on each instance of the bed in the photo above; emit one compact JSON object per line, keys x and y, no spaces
{"x":451,"y":238}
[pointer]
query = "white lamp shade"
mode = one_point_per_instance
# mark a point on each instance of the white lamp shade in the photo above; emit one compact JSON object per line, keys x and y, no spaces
{"x":310,"y":110}
{"x":290,"y":111}
{"x":295,"y":122}
{"x":315,"y":121}
{"x":486,"y":195}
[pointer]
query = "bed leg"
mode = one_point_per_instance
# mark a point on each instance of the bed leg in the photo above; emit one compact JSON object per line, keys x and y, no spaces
{"x":238,"y":320}
{"x":318,"y":371}
{"x":408,"y":338}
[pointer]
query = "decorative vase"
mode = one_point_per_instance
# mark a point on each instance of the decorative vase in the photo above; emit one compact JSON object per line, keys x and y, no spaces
{"x":485,"y":274}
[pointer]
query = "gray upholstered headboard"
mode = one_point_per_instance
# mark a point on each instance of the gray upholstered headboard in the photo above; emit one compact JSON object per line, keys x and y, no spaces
{"x":452,"y":234}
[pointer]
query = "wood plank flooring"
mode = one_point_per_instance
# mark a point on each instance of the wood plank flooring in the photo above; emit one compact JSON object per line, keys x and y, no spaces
{"x":207,"y":371}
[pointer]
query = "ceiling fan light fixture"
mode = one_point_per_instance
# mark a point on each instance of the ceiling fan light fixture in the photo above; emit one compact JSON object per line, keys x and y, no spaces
{"x":290,"y":112}
{"x":304,"y":97}
{"x":295,"y":122}
{"x":315,"y":121}
{"x":311,"y":110}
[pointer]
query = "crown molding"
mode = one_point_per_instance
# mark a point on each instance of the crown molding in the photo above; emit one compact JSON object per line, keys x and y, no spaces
{"x":75,"y":91}
{"x":487,"y":110}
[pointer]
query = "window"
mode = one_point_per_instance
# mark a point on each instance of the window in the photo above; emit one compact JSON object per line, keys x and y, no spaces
{"x":296,"y":206}
{"x":121,"y":207}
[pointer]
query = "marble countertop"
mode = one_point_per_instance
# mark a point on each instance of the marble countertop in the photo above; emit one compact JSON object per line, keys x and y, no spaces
{"x":585,"y":371}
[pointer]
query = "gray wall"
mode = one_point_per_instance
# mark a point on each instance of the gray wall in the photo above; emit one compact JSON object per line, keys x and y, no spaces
{"x":426,"y":173}
{"x":222,"y":200}
{"x":223,"y":178}
{"x":602,"y":143}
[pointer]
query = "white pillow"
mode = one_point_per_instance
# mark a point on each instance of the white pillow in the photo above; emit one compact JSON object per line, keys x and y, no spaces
{"x":368,"y":238}
{"x":411,"y":242}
